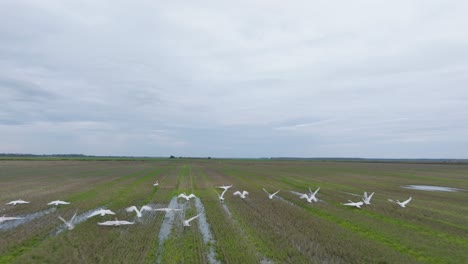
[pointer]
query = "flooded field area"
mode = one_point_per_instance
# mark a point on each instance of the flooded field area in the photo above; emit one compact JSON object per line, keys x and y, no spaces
{"x":432,"y":188}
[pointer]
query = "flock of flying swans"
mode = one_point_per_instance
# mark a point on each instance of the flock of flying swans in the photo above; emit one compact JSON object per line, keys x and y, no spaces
{"x":102,"y":212}
{"x":310,"y":197}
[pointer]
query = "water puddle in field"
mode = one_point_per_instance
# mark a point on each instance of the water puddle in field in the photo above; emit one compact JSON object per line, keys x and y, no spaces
{"x":431,"y":188}
{"x":226,"y":209}
{"x":266,"y":261}
{"x":25,"y":219}
{"x":205,"y":230}
{"x":166,"y":225}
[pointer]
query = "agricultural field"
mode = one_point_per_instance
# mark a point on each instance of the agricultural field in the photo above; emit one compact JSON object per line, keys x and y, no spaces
{"x":433,"y":228}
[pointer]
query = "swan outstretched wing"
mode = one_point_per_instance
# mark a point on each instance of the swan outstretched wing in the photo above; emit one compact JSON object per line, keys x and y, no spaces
{"x":109,"y":212}
{"x":131,"y":208}
{"x":107,"y":223}
{"x":63,"y":220}
{"x":316,"y":191}
{"x":407,"y":201}
{"x":73,"y":217}
{"x":94,"y":213}
{"x":190,"y":219}
{"x":222,"y":194}
{"x":124,"y":223}
{"x":146,"y":208}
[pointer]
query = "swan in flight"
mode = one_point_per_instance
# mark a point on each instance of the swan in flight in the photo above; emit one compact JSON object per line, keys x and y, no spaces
{"x":15,"y":202}
{"x":167,"y":209}
{"x":186,"y":197}
{"x":366,"y":199}
{"x":138,"y":212}
{"x":116,"y":223}
{"x":101,"y":212}
{"x":241,"y":194}
{"x":69,"y":224}
{"x":57,"y":202}
{"x":402,"y":204}
{"x":225,"y":187}
{"x":311,"y":197}
{"x":6,"y":218}
{"x":355,"y":204}
{"x":187,"y":222}
{"x":270,"y":195}
{"x":221,"y":197}
{"x":156,"y":183}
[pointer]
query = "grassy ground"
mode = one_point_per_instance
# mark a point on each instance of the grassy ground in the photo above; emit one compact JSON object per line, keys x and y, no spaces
{"x":432,"y":229}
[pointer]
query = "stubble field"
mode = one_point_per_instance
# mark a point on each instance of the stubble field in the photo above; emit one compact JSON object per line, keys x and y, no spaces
{"x":431,"y":229}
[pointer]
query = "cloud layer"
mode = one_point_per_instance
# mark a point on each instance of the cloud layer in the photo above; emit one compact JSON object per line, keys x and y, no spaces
{"x":241,"y":79}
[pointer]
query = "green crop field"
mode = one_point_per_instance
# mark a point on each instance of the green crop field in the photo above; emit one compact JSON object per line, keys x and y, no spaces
{"x":433,"y":228}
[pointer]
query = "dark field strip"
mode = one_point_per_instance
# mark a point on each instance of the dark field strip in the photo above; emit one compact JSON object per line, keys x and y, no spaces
{"x":432,"y":229}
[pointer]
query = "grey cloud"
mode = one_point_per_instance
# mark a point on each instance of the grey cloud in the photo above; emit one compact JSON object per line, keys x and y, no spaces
{"x":20,"y":90}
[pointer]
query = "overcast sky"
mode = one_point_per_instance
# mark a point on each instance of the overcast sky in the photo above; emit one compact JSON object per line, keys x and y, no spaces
{"x":376,"y":79}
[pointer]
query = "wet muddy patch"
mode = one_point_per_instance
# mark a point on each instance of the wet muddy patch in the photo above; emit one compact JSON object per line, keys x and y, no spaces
{"x":166,"y":226}
{"x":226,"y":209}
{"x":205,"y":230}
{"x":25,"y":219}
{"x":431,"y":188}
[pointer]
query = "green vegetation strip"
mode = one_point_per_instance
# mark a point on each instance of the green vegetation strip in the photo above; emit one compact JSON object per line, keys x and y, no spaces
{"x":421,"y":256}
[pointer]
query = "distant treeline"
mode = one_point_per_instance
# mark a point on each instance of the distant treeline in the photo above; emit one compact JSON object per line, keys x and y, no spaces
{"x":69,"y":156}
{"x":42,"y":155}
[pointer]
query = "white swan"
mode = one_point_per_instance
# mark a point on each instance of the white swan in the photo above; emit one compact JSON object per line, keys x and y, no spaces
{"x":187,"y":222}
{"x":225,"y":187}
{"x":101,"y":212}
{"x":311,"y":197}
{"x":270,"y":195}
{"x":15,"y":202}
{"x":156,"y":183}
{"x":366,"y":199}
{"x":221,"y":197}
{"x":116,"y":223}
{"x":167,"y":209}
{"x":57,"y":202}
{"x":138,"y":212}
{"x":241,"y":194}
{"x":7,"y":218}
{"x":69,"y":224}
{"x":355,"y":204}
{"x":402,"y":204}
{"x":186,"y":197}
